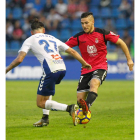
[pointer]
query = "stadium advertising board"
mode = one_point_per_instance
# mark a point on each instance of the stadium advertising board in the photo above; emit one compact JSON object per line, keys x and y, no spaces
{"x":30,"y":69}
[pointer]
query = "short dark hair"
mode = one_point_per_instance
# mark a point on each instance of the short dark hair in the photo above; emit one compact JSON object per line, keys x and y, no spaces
{"x":86,"y":14}
{"x":35,"y":24}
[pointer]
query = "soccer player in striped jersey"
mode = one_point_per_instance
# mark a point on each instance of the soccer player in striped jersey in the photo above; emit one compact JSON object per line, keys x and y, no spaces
{"x":92,"y":43}
{"x":46,"y":48}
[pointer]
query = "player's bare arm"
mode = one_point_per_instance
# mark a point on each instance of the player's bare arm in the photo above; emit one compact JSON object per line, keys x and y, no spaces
{"x":77,"y":56}
{"x":17,"y":61}
{"x":124,"y":47}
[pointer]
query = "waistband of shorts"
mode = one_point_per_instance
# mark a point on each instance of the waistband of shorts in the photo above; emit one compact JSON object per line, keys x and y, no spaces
{"x":58,"y":70}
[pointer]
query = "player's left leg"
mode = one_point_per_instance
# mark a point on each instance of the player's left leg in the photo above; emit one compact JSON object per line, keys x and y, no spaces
{"x":44,"y":121}
{"x":96,"y":79}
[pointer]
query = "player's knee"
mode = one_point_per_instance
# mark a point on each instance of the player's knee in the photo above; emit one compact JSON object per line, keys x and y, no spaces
{"x":94,"y":85}
{"x":94,"y":89}
{"x":40,"y":104}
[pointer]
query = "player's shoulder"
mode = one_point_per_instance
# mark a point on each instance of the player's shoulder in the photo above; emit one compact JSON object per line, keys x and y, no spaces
{"x":102,"y":31}
{"x":79,"y":33}
{"x":28,"y":39}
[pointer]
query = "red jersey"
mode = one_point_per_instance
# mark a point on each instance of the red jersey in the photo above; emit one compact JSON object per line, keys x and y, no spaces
{"x":93,"y":47}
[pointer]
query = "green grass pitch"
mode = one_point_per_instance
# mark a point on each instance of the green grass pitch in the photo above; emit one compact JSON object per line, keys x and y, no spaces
{"x":112,"y":113}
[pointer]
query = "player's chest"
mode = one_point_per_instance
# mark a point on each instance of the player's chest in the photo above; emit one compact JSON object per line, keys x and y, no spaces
{"x":92,"y":41}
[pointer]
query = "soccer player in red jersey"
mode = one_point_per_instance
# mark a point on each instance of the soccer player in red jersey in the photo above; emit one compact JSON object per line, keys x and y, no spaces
{"x":92,"y":44}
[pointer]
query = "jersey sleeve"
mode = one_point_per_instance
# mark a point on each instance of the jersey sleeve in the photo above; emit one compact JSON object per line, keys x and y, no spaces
{"x":72,"y":42}
{"x":25,"y":47}
{"x":110,"y":36}
{"x":62,"y":46}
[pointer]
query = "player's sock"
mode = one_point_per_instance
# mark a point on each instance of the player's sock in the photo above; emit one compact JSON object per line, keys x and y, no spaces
{"x":53,"y":105}
{"x":91,"y":98}
{"x":45,"y":111}
{"x":45,"y":116}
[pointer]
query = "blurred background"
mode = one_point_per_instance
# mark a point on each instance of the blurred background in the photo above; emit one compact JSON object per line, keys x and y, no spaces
{"x":62,"y":20}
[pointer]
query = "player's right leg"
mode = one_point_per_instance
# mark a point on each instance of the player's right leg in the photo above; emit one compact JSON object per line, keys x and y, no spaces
{"x":82,"y":91}
{"x":86,"y":99}
{"x":90,"y":82}
{"x":55,"y":106}
{"x":47,"y":88}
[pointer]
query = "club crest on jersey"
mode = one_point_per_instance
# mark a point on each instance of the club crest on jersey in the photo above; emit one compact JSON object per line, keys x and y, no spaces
{"x":96,"y":40}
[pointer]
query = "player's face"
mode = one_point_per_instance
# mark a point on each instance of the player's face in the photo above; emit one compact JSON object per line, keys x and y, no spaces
{"x":87,"y":24}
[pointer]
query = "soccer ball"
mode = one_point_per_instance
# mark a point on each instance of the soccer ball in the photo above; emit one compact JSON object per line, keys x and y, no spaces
{"x":83,"y":119}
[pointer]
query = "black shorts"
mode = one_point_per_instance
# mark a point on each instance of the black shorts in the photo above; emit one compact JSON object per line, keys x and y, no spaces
{"x":84,"y":81}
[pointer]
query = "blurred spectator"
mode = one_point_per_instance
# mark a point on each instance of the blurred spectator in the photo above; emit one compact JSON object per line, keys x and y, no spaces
{"x":26,"y":25}
{"x":27,"y":10}
{"x":127,"y":39}
{"x":65,"y":22}
{"x":81,"y":7}
{"x":9,"y":31}
{"x":132,"y":17}
{"x":47,"y":7}
{"x":38,"y":6}
{"x":10,"y":18}
{"x":53,"y":20}
{"x":104,"y":3}
{"x":17,"y":33}
{"x":132,"y":12}
{"x":17,"y":3}
{"x":33,"y":14}
{"x":88,"y":1}
{"x":125,"y":9}
{"x":110,"y":26}
{"x":72,"y":7}
{"x":42,"y":18}
{"x":61,"y":7}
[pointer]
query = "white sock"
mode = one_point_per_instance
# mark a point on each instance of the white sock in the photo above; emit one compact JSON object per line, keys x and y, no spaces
{"x":53,"y":105}
{"x":45,"y":111}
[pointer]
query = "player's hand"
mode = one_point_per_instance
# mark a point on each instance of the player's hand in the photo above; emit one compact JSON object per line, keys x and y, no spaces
{"x":87,"y":66}
{"x":130,"y":64}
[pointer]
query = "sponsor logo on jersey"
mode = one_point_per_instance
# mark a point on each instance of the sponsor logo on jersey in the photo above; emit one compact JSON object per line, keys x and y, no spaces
{"x":92,"y":50}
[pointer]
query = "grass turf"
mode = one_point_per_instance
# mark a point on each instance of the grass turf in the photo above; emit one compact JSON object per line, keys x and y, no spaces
{"x":112,"y":113}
